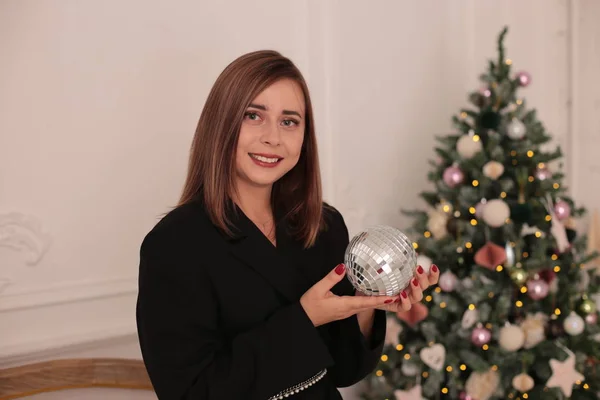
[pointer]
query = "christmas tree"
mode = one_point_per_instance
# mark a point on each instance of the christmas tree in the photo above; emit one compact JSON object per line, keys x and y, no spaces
{"x":514,"y":313}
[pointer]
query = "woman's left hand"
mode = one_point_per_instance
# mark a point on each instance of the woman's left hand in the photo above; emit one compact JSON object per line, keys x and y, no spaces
{"x":414,"y":292}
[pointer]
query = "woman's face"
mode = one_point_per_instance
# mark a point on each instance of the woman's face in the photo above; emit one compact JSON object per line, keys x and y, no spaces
{"x":271,"y":135}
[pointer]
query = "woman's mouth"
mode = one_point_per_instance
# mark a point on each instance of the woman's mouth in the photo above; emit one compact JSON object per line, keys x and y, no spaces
{"x":265,"y":160}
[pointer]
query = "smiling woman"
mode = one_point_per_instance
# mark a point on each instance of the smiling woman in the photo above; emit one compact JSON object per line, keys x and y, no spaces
{"x":238,"y":294}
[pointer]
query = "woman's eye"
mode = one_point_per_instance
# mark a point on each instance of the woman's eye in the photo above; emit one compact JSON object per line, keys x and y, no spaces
{"x":252,"y":115}
{"x":290,"y":122}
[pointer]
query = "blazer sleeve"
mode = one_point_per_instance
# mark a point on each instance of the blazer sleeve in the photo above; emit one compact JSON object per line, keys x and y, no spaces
{"x":186,"y":354}
{"x":354,"y":356}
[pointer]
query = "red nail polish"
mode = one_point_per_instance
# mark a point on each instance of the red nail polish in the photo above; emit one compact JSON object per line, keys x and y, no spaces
{"x":420,"y":269}
{"x":404,"y":294}
{"x":340,"y":269}
{"x":434,"y":268}
{"x":397,"y":300}
{"x":388,"y":301}
{"x":415,"y":282}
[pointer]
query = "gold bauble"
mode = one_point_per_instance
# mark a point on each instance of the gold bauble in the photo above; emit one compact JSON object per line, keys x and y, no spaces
{"x":587,"y":306}
{"x":518,"y":276}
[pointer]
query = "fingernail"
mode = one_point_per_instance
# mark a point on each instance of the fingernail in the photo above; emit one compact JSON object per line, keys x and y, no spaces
{"x":404,"y":294}
{"x":388,"y":301}
{"x":397,"y":300}
{"x":415,"y":282}
{"x":420,"y":269}
{"x":340,"y":269}
{"x":434,"y":268}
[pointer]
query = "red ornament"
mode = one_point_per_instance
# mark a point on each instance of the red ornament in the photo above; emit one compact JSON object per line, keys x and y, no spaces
{"x":490,"y":255}
{"x":416,"y":314}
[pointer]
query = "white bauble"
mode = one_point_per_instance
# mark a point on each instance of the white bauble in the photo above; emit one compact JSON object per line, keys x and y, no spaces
{"x":511,"y":338}
{"x":574,"y":324}
{"x":516,"y":129}
{"x":495,"y":213}
{"x":424,"y":262}
{"x":493,"y":169}
{"x":523,"y":382}
{"x":467,"y":147}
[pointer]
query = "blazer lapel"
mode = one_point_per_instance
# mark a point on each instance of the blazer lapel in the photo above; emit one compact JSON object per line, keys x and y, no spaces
{"x":254,"y":249}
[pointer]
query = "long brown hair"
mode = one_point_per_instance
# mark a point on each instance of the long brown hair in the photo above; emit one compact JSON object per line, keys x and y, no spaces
{"x":211,"y":168}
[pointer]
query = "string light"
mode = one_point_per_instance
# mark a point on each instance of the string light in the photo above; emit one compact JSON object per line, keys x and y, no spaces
{"x":463,"y":367}
{"x":557,"y":311}
{"x":473,"y":222}
{"x":548,"y":218}
{"x":475,"y":182}
{"x":508,"y":61}
{"x":530,"y":153}
{"x":445,"y":390}
{"x":503,"y":195}
{"x":491,"y":295}
{"x":556,"y":186}
{"x":468,"y":245}
{"x":425,"y":374}
{"x":463,"y":115}
{"x":519,"y":101}
{"x":523,"y":289}
{"x":428,"y":298}
{"x":415,"y":245}
{"x":427,"y":234}
{"x":554,"y":257}
{"x":538,"y":234}
{"x":471,"y":307}
{"x":379,"y":373}
{"x":476,"y":138}
{"x":449,"y":368}
{"x":556,"y":268}
{"x":530,"y":179}
{"x":438,"y":289}
{"x":443,"y":304}
{"x":384,"y":358}
{"x":407,"y":356}
{"x":485,"y":347}
{"x":399,"y":347}
{"x":499,"y":268}
{"x":472,"y":210}
{"x":519,"y":303}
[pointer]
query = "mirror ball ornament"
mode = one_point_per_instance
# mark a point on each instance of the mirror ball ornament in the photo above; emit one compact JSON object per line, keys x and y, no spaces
{"x":380,"y":261}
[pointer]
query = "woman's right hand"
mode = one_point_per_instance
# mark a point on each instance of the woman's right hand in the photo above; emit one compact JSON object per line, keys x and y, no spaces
{"x":322,"y":306}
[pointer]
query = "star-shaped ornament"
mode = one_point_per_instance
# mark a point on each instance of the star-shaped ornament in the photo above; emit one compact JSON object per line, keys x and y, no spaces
{"x":393,"y":331}
{"x":412,"y":394}
{"x":564,"y":375}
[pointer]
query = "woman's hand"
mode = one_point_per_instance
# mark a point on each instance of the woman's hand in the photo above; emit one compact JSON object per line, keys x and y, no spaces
{"x":414,"y":292}
{"x":322,"y":306}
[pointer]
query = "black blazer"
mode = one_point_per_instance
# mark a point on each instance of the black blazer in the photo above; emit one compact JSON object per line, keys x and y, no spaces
{"x":220,"y":318}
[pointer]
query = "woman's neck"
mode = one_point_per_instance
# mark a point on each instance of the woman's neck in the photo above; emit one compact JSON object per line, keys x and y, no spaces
{"x":254,"y":201}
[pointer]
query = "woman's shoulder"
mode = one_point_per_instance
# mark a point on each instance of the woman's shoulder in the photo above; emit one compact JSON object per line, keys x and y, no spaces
{"x":177,"y":228}
{"x":334,"y":223}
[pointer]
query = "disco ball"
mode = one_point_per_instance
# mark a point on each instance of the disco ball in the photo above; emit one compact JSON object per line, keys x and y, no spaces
{"x":380,"y":261}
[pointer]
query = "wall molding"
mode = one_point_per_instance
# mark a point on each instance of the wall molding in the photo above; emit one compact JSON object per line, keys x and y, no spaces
{"x":70,"y":292}
{"x":52,"y":347}
{"x":24,"y":233}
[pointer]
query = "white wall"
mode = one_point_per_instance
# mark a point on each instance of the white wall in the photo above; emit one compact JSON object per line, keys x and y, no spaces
{"x":99,"y":101}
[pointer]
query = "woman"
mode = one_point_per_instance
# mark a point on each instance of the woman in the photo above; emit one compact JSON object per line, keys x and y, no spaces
{"x":241,"y":287}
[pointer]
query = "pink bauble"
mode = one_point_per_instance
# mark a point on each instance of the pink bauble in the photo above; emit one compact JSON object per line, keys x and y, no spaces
{"x":537,"y":289}
{"x":485,"y":92}
{"x":447,"y":281}
{"x":465,"y":396}
{"x":480,"y":336}
{"x":542,"y":174}
{"x":453,"y":176}
{"x":524,"y":78}
{"x":591,"y":318}
{"x":562,"y":210}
